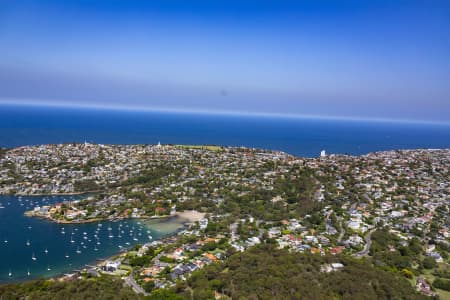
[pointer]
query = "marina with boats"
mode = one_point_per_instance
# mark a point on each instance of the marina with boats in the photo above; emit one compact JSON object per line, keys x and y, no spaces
{"x":34,"y":247}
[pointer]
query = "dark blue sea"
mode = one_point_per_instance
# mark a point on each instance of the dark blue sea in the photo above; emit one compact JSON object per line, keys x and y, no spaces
{"x":22,"y":125}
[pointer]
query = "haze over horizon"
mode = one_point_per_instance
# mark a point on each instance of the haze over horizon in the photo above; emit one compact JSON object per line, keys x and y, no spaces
{"x":353,"y":59}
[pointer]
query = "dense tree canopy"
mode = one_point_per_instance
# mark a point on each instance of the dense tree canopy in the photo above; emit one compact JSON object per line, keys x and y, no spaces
{"x":95,"y":288}
{"x":267,"y":273}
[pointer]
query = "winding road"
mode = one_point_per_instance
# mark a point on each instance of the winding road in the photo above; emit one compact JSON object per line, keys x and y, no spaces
{"x":129,"y":280}
{"x":341,"y":233}
{"x":366,"y":249}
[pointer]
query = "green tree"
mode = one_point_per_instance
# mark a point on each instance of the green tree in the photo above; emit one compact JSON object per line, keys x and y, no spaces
{"x":429,"y":262}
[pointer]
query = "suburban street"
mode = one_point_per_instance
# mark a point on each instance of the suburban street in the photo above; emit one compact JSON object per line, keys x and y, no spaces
{"x":129,"y":280}
{"x":368,"y":240}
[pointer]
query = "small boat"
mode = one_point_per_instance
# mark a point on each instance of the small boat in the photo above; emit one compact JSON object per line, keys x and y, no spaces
{"x":46,"y":251}
{"x":28,"y":243}
{"x":48,"y":268}
{"x":28,"y":272}
{"x":67,"y":256}
{"x":6,"y":241}
{"x":10,"y":273}
{"x":33,"y":257}
{"x":78,"y":250}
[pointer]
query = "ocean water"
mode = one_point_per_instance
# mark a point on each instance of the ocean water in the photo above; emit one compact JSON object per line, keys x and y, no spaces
{"x":23,"y":237}
{"x":20,"y":125}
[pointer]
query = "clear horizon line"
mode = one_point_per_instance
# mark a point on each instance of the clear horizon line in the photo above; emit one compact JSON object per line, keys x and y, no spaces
{"x":136,"y":108}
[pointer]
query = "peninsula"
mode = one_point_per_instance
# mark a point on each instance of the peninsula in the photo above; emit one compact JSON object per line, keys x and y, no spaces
{"x":386,"y":210}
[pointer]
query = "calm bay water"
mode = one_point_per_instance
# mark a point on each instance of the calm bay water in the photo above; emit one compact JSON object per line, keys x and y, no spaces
{"x":17,"y":230}
{"x":20,"y":125}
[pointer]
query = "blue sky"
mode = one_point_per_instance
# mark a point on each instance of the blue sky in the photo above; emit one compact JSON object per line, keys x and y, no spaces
{"x":359,"y":59}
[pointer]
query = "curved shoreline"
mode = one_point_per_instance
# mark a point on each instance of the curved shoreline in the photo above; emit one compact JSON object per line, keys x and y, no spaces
{"x":53,"y":194}
{"x":99,"y":261}
{"x":96,"y":263}
{"x":191,"y":216}
{"x":167,"y":234}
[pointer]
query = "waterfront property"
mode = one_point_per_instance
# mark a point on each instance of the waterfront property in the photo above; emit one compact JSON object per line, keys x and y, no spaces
{"x":31,"y":247}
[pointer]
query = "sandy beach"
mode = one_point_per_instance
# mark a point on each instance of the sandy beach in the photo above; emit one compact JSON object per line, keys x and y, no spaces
{"x":190,"y":216}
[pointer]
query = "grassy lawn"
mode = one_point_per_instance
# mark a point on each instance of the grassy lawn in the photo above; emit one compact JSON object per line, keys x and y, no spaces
{"x":204,"y":147}
{"x":443,"y":295}
{"x":428,"y":275}
{"x":125,"y":267}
